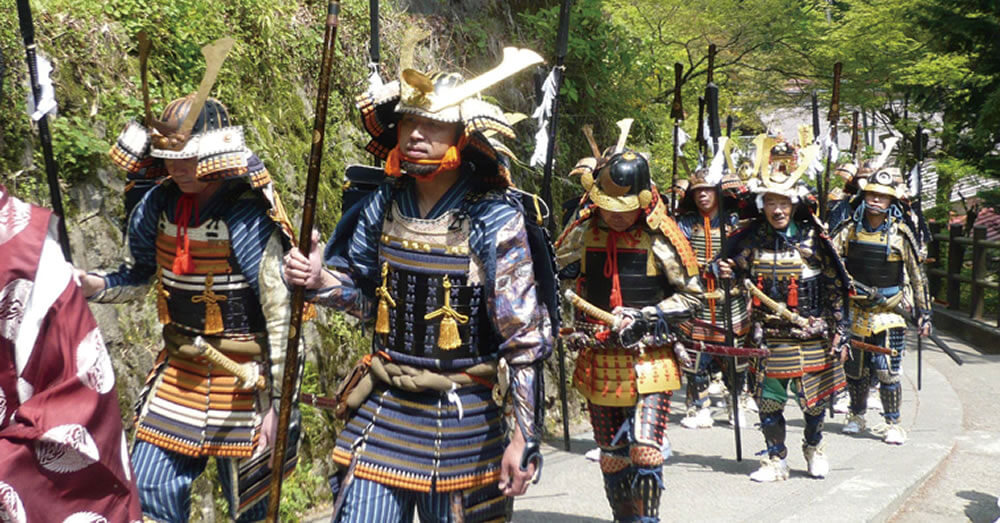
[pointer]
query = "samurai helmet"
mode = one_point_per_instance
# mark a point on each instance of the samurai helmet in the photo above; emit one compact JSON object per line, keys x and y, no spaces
{"x":194,"y":126}
{"x":622,"y":183}
{"x":782,"y":159}
{"x":444,"y":97}
{"x":882,"y":182}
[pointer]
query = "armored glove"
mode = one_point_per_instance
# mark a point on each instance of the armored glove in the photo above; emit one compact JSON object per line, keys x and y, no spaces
{"x":635,"y":325}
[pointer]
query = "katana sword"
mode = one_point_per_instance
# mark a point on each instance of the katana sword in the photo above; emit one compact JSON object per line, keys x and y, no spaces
{"x":290,"y":378}
{"x":591,"y":310}
{"x":248,"y":373}
{"x":868,"y":347}
{"x":725,"y":350}
{"x":780,"y":309}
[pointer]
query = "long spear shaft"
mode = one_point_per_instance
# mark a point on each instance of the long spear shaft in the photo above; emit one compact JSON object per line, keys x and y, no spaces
{"x":562,"y":41}
{"x":28,"y":34}
{"x":815,"y":115}
{"x":833,"y":116}
{"x":373,"y":42}
{"x":290,"y":377}
{"x":677,"y":115}
{"x":712,"y":101}
{"x":919,"y":145}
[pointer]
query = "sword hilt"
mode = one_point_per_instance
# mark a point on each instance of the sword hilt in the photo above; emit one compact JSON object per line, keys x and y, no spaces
{"x":247,"y":373}
{"x":779,"y":309}
{"x":590,"y":309}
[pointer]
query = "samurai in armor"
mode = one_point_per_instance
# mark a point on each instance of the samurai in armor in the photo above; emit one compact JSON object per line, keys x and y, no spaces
{"x":798,"y":283}
{"x":445,"y":414}
{"x":881,"y":251}
{"x":210,"y":238}
{"x":625,"y":255}
{"x":699,"y":221}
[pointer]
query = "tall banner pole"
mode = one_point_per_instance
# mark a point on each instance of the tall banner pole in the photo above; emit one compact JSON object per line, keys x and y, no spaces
{"x":677,"y":115}
{"x":714,"y":129}
{"x":919,"y":145}
{"x":562,"y":41}
{"x":44,"y":134}
{"x":290,"y":377}
{"x":832,"y":118}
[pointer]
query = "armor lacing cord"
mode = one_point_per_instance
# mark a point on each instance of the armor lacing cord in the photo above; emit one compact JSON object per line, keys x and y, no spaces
{"x":709,"y":279}
{"x":611,"y":264}
{"x":187,"y":206}
{"x":453,"y":398}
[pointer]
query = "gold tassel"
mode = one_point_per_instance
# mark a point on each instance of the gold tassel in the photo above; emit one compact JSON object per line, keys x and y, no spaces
{"x":213,"y":313}
{"x":385,"y":301}
{"x":448,"y":336}
{"x":161,"y":298}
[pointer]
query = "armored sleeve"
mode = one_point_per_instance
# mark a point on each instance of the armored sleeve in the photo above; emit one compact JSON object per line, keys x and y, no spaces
{"x":835,"y":291}
{"x":685,"y":301}
{"x":274,"y":301}
{"x":522,"y":322}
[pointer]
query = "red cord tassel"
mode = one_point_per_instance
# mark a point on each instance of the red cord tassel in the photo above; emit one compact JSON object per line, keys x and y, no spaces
{"x":760,"y":285}
{"x":793,"y":293}
{"x":187,"y":207}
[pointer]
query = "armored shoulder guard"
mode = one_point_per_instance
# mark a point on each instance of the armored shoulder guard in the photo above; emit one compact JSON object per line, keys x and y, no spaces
{"x":659,"y":221}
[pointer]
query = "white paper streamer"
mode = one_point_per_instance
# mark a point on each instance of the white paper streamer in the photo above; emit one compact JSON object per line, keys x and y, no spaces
{"x":542,"y":115}
{"x":47,"y":98}
{"x":715,"y":168}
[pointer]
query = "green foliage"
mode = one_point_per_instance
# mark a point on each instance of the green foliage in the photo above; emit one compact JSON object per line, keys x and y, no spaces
{"x":949,"y":171}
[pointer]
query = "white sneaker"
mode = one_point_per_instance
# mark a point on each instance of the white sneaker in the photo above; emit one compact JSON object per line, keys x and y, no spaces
{"x":715,"y":387}
{"x":894,"y":435}
{"x":748,"y":404}
{"x":855,"y":424}
{"x":816,"y":461}
{"x":843,"y":404}
{"x":698,"y":419}
{"x":593,"y":454}
{"x":771,"y":469}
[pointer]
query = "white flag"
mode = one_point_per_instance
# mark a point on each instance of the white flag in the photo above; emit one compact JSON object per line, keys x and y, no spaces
{"x":47,"y":97}
{"x":542,"y":115}
{"x":682,"y":138}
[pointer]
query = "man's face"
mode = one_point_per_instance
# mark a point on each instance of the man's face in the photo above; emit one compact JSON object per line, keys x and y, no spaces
{"x":425,"y":139}
{"x":704,"y":199}
{"x":876,"y":200}
{"x":778,"y":210}
{"x":183,"y":173}
{"x":618,"y":221}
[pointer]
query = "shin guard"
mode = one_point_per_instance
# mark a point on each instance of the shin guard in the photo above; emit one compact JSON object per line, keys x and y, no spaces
{"x":772,"y":424}
{"x":813,"y":432}
{"x":618,"y":488}
{"x":891,"y":395}
{"x":646,"y":487}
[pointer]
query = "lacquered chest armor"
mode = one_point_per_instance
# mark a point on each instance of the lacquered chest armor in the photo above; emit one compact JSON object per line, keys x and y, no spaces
{"x":872,"y":261}
{"x":213,"y":297}
{"x":642,"y":282}
{"x":432,"y":303}
{"x":777,"y":273}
